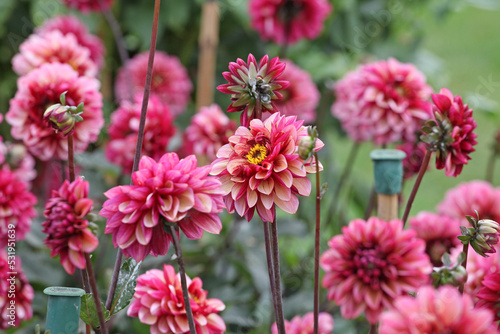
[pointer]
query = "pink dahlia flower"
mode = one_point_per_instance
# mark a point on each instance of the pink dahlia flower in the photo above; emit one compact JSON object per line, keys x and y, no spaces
{"x":170,"y":190}
{"x":68,"y":234}
{"x":385,"y":101}
{"x":305,"y":325}
{"x":251,"y":84}
{"x":53,"y":47}
{"x":489,"y":295}
{"x":436,"y":311}
{"x":43,"y":87}
{"x":86,"y":6}
{"x":170,"y":82}
{"x":16,"y":207}
{"x":209,"y":130}
{"x":158,"y":302}
{"x":71,"y":25}
{"x":15,"y":157}
{"x":287,"y":21}
{"x":261,"y":168}
{"x":439,"y":233}
{"x":370,"y":264}
{"x":16,"y":294}
{"x":415,"y":153}
{"x":124,"y":127}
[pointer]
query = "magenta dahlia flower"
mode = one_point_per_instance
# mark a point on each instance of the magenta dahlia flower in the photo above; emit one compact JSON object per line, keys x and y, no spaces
{"x":261,"y":168}
{"x":250,"y":84}
{"x":489,"y":294}
{"x":209,"y":130}
{"x":287,"y":21}
{"x":305,"y":325}
{"x":415,"y":153}
{"x":124,"y":128}
{"x":170,"y":81}
{"x":370,"y":264}
{"x":43,"y":87}
{"x":450,"y":133}
{"x":16,"y":207}
{"x":71,"y":25}
{"x":385,"y":101}
{"x":436,"y":311}
{"x":86,"y":6}
{"x":68,"y":232}
{"x":158,"y":302}
{"x":53,"y":47}
{"x":170,"y":190}
{"x":15,"y":158}
{"x":16,"y":294}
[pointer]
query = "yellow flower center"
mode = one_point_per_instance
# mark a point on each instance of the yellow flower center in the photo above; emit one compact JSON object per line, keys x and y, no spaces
{"x":257,"y":154}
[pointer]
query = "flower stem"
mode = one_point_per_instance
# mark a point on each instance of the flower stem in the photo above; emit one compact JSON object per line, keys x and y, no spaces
{"x":373,"y":329}
{"x":270,"y":266}
{"x":182,"y":272}
{"x":371,"y":203}
{"x":71,"y":159}
{"x":280,"y":320}
{"x":420,"y":175}
{"x":316,"y":247}
{"x":464,"y":264}
{"x":95,"y":293}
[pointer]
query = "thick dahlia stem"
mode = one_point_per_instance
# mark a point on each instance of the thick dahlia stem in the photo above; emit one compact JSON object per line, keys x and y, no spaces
{"x":420,"y":175}
{"x":373,"y":329}
{"x":280,"y":320}
{"x":95,"y":293}
{"x":316,"y":247}
{"x":182,"y":273}
{"x":464,"y":264}
{"x":270,"y":266}
{"x":371,"y":204}
{"x":71,"y":159}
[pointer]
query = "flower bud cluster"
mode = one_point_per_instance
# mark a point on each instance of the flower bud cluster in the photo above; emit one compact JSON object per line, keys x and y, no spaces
{"x":62,"y":117}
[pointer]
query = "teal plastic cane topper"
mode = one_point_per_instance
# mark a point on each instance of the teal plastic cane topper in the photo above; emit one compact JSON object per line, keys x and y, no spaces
{"x":63,"y":309}
{"x":388,"y":170}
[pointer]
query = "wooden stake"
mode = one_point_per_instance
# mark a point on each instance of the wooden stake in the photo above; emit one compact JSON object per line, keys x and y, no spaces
{"x":387,"y":206}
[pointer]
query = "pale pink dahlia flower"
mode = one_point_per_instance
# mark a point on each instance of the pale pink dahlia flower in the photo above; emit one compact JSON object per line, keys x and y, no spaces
{"x":439,"y":232}
{"x":124,"y":128}
{"x":170,"y":81}
{"x":370,"y":264}
{"x":170,"y":190}
{"x":86,"y":6}
{"x":385,"y":101}
{"x":53,"y":47}
{"x":16,"y":207}
{"x":158,"y":302}
{"x":305,"y":325}
{"x":436,"y":311}
{"x":209,"y":130}
{"x":261,"y":168}
{"x":68,"y":234}
{"x":287,"y":21}
{"x":71,"y":25}
{"x":43,"y":87}
{"x":489,"y":295}
{"x":15,"y":157}
{"x":415,"y":153}
{"x":16,"y":294}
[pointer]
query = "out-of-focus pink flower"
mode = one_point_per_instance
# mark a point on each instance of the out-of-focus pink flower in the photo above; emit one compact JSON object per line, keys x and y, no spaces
{"x":385,"y":101}
{"x":468,"y":197}
{"x":15,"y":157}
{"x":86,"y":6}
{"x":71,"y":25}
{"x":436,"y":311}
{"x":53,"y":47}
{"x":300,"y":98}
{"x":287,"y":21}
{"x":261,"y":168}
{"x":489,"y":295}
{"x":16,"y":294}
{"x":170,"y":190}
{"x":124,"y":127}
{"x":68,"y":234}
{"x":170,"y":81}
{"x":439,"y":232}
{"x":450,"y":133}
{"x":158,"y":302}
{"x":370,"y":264}
{"x":209,"y":130}
{"x":251,"y":84}
{"x":305,"y":325}
{"x":16,"y":207}
{"x":43,"y":87}
{"x":415,"y":153}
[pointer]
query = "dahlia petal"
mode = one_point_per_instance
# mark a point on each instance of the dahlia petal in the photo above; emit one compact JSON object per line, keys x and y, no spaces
{"x":146,"y":317}
{"x":289,"y":206}
{"x":266,"y":186}
{"x":303,"y":186}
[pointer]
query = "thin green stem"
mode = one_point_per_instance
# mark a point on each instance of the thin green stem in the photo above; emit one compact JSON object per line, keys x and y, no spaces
{"x":464,"y":264}
{"x":71,"y":159}
{"x":280,"y":320}
{"x":95,"y":293}
{"x":316,"y":247}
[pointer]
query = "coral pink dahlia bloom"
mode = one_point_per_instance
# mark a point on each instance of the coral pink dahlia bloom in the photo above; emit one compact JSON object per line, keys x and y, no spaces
{"x":261,"y":168}
{"x":170,"y":190}
{"x":287,"y":21}
{"x":170,"y":81}
{"x":158,"y":302}
{"x":489,"y":295}
{"x":86,"y":6}
{"x":124,"y":127}
{"x":385,"y":101}
{"x":436,"y":311}
{"x":305,"y":325}
{"x":370,"y":264}
{"x":42,"y":87}
{"x":68,"y":234}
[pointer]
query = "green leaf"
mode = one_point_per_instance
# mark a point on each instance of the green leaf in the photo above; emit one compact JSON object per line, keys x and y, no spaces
{"x":88,"y":313}
{"x":464,"y":230}
{"x":446,"y":260}
{"x":125,"y":288}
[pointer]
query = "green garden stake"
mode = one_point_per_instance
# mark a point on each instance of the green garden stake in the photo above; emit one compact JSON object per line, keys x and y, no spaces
{"x":63,"y":309}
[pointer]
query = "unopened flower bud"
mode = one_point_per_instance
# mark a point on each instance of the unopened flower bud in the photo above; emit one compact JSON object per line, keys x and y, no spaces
{"x":452,"y":274}
{"x":61,"y":118}
{"x":483,"y":235}
{"x":306,"y":147}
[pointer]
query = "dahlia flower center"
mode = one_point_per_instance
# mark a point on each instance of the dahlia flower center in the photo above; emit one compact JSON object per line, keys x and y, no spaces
{"x":369,"y":265}
{"x":257,"y":154}
{"x":290,"y":10}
